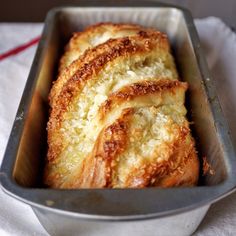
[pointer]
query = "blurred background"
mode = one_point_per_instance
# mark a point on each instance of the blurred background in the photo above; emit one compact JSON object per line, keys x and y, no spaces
{"x":35,"y":11}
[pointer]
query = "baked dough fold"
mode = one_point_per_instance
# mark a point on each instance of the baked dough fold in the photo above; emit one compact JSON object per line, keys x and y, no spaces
{"x":117,"y":117}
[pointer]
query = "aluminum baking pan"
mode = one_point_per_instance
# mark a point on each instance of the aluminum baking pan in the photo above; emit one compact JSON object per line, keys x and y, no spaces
{"x":119,"y":211}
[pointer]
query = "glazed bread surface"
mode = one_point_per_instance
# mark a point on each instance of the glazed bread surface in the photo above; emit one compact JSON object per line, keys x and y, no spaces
{"x":117,"y":117}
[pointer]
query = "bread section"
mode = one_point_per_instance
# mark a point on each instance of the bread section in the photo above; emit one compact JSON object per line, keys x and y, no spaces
{"x":117,"y":116}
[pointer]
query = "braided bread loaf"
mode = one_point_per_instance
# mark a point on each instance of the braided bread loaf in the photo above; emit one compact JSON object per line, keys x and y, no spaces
{"x":117,"y":113}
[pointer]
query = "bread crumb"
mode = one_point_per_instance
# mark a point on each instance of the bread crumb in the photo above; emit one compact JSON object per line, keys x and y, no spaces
{"x":206,"y":167}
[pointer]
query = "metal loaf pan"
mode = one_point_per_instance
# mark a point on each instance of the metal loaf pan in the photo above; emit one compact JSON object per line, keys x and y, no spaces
{"x":151,"y":211}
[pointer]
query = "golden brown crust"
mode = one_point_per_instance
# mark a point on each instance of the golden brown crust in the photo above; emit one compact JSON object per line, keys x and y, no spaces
{"x":87,"y":35}
{"x":157,"y":92}
{"x":68,"y":67}
{"x":101,"y":55}
{"x":135,"y":90}
{"x":96,"y":169}
{"x":185,"y":175}
{"x":99,"y":168}
{"x":135,"y":131}
{"x":93,"y":59}
{"x":180,"y":169}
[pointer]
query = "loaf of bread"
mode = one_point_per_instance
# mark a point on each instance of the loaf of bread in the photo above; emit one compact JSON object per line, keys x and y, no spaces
{"x":117,"y":116}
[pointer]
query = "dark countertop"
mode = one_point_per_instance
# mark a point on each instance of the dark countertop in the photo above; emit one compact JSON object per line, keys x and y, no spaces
{"x":35,"y":11}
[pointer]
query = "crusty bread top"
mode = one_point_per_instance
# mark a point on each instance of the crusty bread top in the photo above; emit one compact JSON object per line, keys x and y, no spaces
{"x":118,"y":115}
{"x":81,"y":41}
{"x":109,"y":56}
{"x":162,"y":92}
{"x":95,"y":59}
{"x":145,"y":146}
{"x":143,"y":93}
{"x":75,"y":47}
{"x":92,"y":36}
